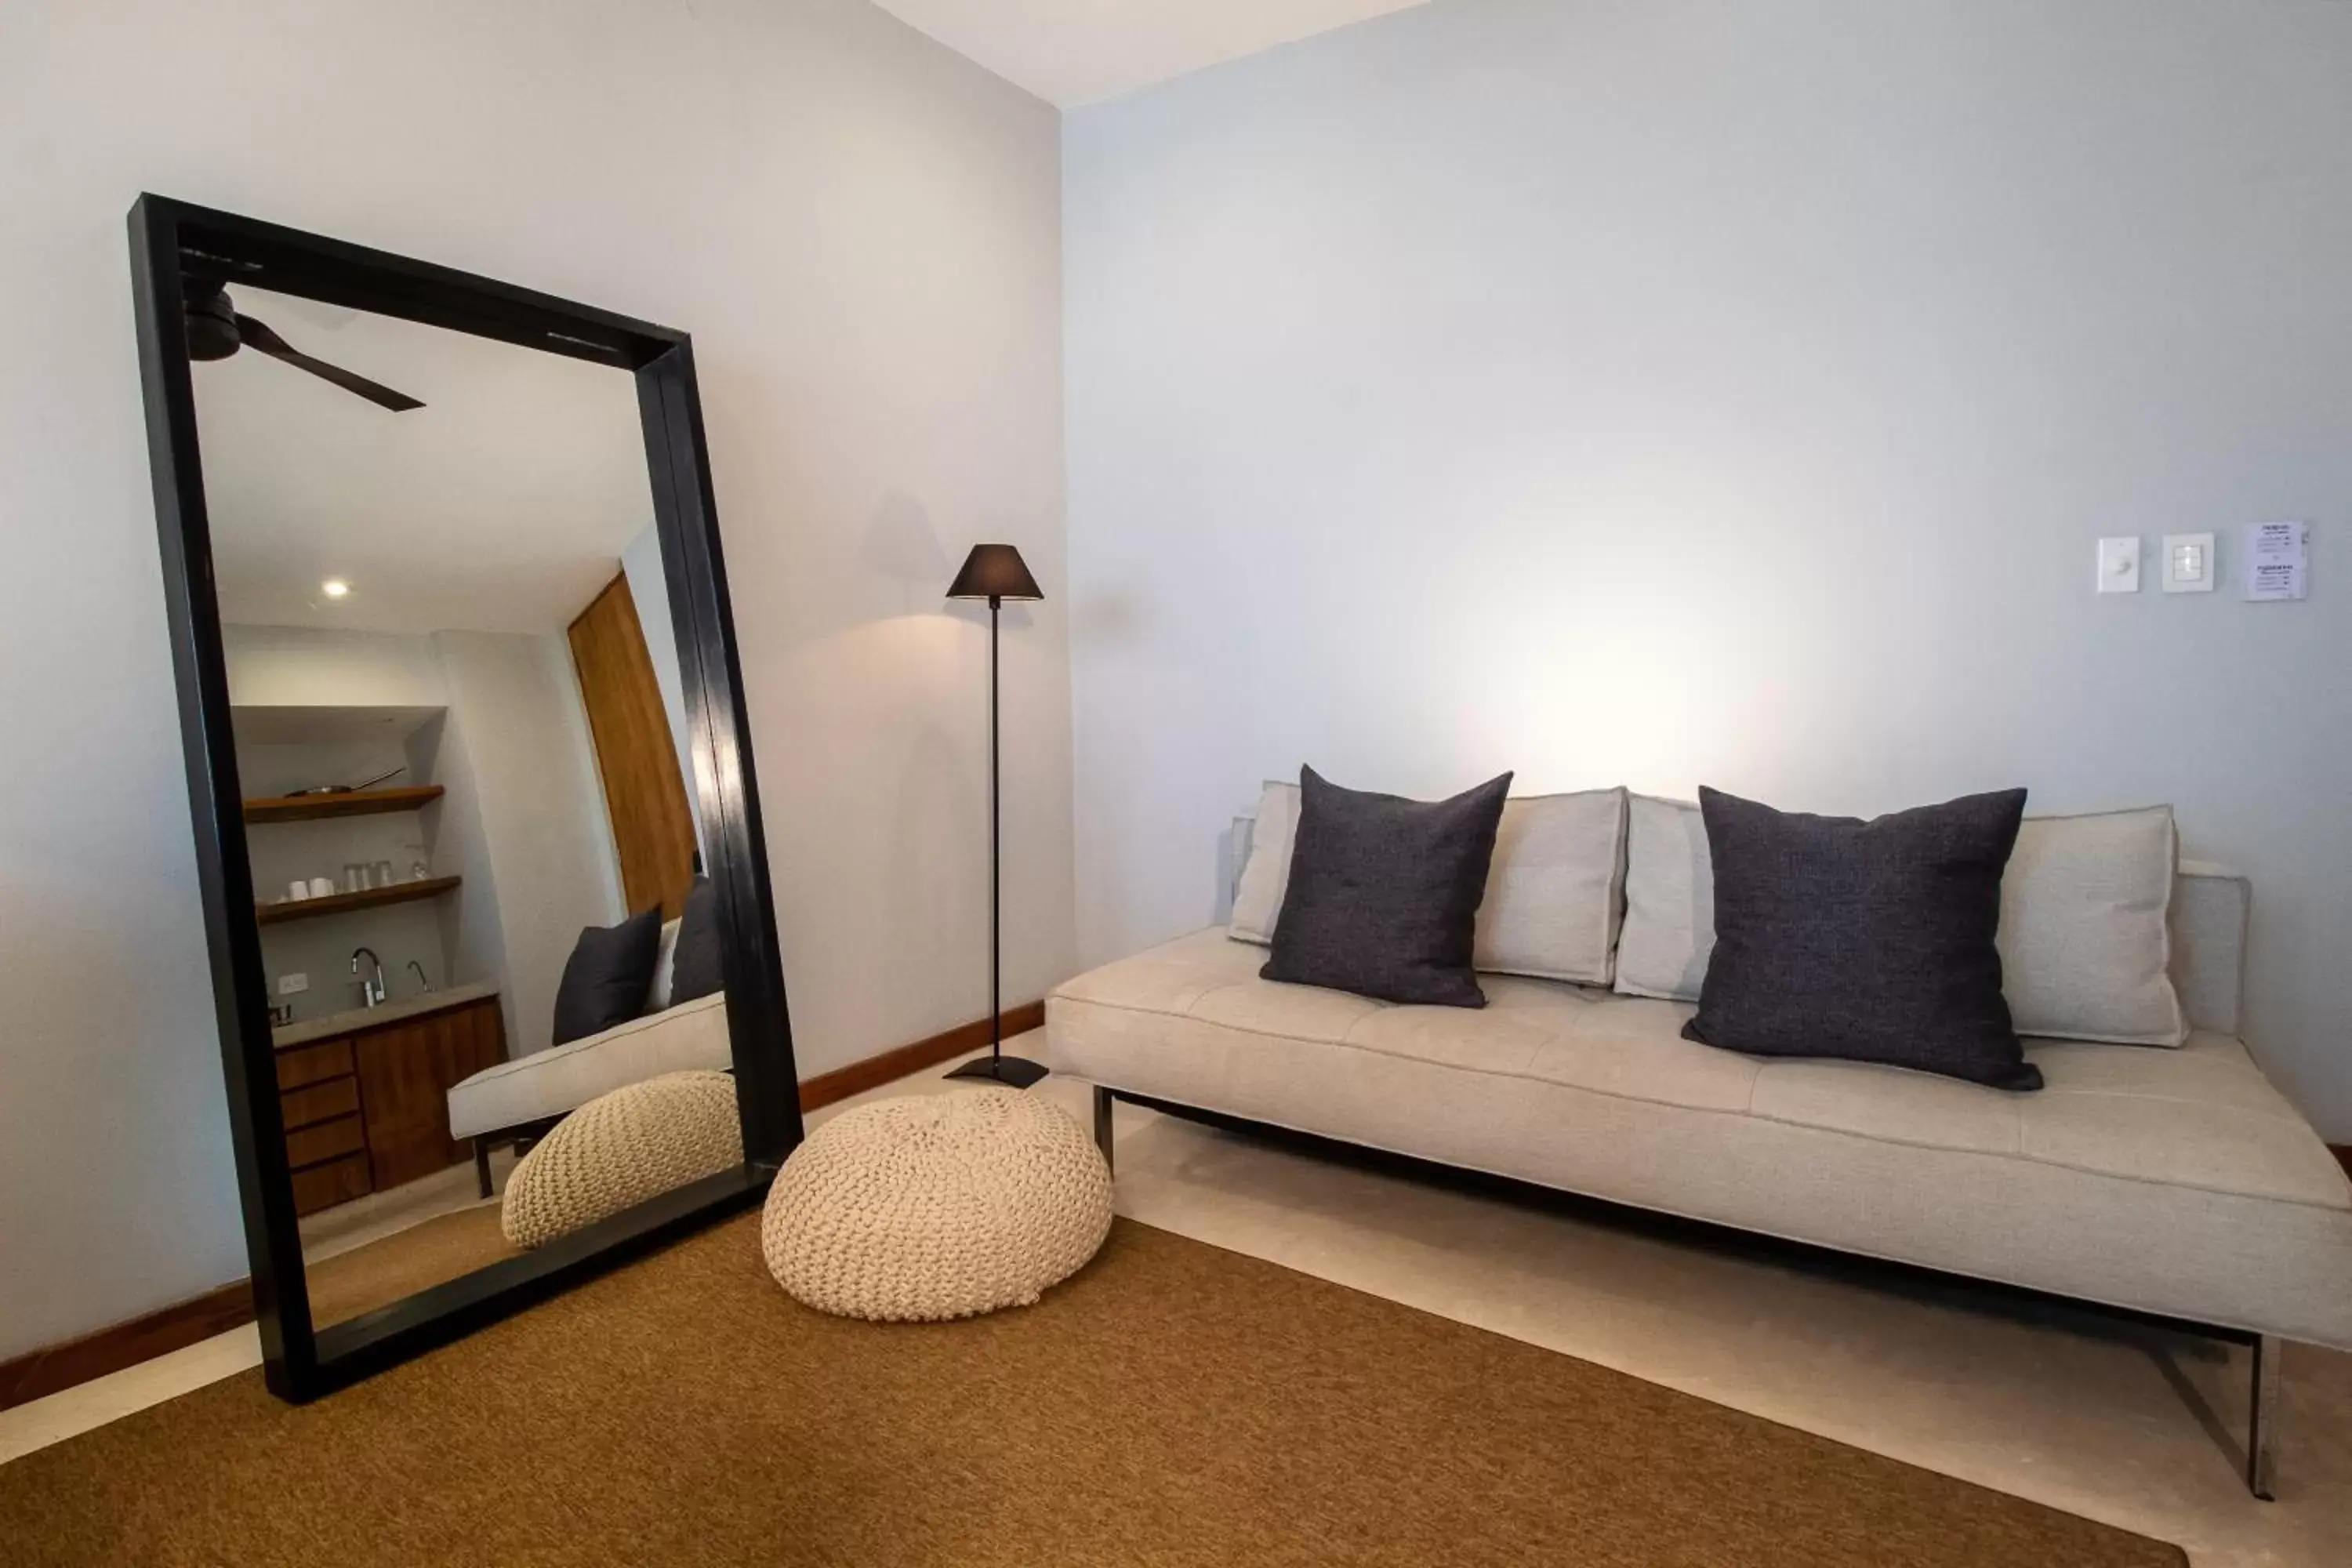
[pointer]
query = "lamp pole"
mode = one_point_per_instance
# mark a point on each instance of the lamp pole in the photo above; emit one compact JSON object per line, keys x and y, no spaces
{"x":996,"y":573}
{"x":995,"y":858}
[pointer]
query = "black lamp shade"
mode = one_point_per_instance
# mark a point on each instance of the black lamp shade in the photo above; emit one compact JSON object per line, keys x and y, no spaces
{"x":995,"y":572}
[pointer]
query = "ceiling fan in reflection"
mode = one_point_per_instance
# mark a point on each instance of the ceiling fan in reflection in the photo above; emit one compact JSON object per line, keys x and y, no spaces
{"x":217,"y":330}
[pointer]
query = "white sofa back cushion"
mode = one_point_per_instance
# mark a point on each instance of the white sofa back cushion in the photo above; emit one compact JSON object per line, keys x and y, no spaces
{"x":2085,"y":932}
{"x":1266,"y":875}
{"x":1669,"y":927}
{"x":2085,"y":939}
{"x":1551,"y":909}
{"x":664,"y":968}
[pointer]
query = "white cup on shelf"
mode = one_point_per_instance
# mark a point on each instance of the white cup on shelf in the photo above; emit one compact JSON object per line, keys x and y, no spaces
{"x":296,"y":889}
{"x":322,"y":887}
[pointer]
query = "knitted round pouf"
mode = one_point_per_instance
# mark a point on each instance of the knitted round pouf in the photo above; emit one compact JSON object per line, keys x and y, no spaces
{"x":619,"y":1150}
{"x":938,"y":1205}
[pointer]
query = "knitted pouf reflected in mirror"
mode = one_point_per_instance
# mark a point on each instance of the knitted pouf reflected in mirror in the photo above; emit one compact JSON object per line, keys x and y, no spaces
{"x":621,"y":1148}
{"x":935,"y":1206}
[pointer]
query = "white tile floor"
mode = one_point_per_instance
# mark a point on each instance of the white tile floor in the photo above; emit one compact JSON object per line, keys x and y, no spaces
{"x":346,"y":1226}
{"x":2122,"y":1425}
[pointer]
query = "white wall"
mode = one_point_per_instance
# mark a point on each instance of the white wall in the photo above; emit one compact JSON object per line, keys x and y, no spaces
{"x":304,"y":667}
{"x":457,"y":827}
{"x":860,"y":229}
{"x":1682,"y":390}
{"x":538,"y":811}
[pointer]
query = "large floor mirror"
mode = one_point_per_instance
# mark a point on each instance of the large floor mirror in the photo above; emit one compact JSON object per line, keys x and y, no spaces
{"x":493,"y":945}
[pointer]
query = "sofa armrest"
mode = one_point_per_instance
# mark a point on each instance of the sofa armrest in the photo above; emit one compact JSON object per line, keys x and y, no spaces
{"x":2211,"y":906}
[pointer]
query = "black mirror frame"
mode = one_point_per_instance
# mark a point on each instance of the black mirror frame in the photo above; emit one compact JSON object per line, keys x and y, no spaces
{"x":300,"y":1360}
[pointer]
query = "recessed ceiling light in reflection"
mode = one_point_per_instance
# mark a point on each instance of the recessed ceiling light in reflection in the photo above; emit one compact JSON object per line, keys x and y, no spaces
{"x":335,"y":588}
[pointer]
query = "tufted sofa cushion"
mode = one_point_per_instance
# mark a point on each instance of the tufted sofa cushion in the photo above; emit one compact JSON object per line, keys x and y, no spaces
{"x":2174,"y":1181}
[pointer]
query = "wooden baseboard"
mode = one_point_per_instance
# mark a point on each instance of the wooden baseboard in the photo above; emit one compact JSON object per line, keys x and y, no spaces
{"x":183,"y":1323}
{"x":872,"y":1072}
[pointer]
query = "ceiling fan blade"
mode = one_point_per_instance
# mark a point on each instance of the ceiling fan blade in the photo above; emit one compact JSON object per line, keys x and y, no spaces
{"x":258,"y":336}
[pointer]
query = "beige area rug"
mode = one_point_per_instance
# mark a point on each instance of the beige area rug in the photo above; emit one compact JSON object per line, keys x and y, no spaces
{"x":406,"y":1262}
{"x":1173,"y":1403}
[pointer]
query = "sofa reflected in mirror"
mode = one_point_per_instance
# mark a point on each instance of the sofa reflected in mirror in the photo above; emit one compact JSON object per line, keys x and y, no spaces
{"x":640,"y":1100}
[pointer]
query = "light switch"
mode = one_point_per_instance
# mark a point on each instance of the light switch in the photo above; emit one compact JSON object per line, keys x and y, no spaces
{"x":2189,"y":564}
{"x":289,"y":984}
{"x":2119,"y":565}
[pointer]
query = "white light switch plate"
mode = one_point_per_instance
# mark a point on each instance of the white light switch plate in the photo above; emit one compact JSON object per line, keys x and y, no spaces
{"x":2189,"y":564}
{"x":288,"y":985}
{"x":2119,"y":565}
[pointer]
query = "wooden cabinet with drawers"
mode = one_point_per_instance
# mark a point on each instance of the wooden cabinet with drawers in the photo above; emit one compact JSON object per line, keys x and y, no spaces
{"x":368,"y":1108}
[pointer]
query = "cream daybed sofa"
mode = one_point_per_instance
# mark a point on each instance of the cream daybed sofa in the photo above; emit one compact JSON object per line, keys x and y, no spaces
{"x":518,"y":1099}
{"x":2170,"y":1182}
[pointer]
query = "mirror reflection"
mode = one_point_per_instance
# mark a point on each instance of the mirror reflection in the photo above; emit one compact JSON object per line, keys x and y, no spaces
{"x":498,"y":1011}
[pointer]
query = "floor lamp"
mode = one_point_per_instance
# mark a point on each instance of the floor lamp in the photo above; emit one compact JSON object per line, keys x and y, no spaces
{"x":995,"y":573}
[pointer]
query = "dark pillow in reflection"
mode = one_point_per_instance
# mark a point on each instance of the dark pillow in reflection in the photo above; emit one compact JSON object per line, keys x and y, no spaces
{"x":605,"y":979}
{"x":695,"y":963}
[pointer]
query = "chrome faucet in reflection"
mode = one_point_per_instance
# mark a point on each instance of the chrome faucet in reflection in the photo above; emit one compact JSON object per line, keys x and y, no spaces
{"x":371,"y":989}
{"x":421,"y":982}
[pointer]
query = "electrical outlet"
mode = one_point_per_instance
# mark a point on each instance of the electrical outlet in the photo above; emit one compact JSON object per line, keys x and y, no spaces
{"x":293,"y":985}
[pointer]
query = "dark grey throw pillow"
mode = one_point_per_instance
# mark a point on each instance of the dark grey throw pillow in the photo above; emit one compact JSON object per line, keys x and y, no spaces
{"x":1385,"y":892}
{"x":1869,"y":940}
{"x":605,"y":978}
{"x":694,"y":968}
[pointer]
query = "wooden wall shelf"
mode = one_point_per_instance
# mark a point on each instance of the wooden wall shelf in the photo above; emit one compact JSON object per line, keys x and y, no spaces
{"x":342,"y":903}
{"x":352,"y":803}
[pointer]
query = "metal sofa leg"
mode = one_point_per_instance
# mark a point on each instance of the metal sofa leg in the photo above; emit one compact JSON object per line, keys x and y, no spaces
{"x":2263,"y":1417}
{"x":482,"y":1165}
{"x":1102,"y":1102}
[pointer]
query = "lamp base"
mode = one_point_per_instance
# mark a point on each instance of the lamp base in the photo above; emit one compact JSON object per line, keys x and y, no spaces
{"x":1014,"y":1072}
